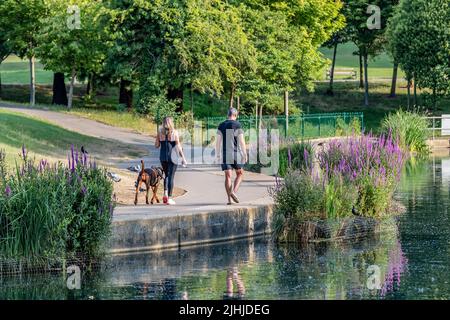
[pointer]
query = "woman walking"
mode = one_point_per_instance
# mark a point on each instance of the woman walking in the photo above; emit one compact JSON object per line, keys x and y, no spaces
{"x":168,"y":141}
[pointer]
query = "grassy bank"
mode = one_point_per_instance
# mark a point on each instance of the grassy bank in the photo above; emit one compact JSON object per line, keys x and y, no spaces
{"x":45,"y":139}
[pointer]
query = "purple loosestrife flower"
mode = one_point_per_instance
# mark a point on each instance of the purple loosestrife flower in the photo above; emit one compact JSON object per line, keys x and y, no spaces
{"x":24,"y":152}
{"x":85,"y":160}
{"x":83,"y":190}
{"x":8,"y":191}
{"x":76,"y":157}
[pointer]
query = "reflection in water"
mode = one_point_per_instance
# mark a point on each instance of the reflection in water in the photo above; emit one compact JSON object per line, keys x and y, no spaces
{"x":233,"y":276}
{"x":396,"y":266}
{"x":413,"y":262}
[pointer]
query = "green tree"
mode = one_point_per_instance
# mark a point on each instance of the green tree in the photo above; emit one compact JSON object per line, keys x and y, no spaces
{"x":22,"y":21}
{"x":287,"y":35}
{"x":70,"y":47}
{"x":4,"y":51}
{"x":362,"y":18}
{"x":419,"y":40}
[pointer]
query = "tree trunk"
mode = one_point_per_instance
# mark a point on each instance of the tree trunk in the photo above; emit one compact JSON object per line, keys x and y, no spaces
{"x":32,"y":81}
{"x":72,"y":84}
{"x":238,"y":103}
{"x":59,"y":89}
{"x":415,"y":92}
{"x":366,"y":82}
{"x":90,"y":87}
{"x":256,"y":116}
{"x":394,"y":81}
{"x":361,"y":72}
{"x":192,"y":99}
{"x":434,"y":97}
{"x":330,"y":89}
{"x":178,"y":95}
{"x":126,"y":94}
{"x":232,"y":96}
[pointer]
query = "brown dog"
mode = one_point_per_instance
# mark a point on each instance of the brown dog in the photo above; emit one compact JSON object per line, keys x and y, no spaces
{"x":151,"y":177}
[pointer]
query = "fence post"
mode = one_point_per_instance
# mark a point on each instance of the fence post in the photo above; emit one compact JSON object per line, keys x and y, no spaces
{"x":207,"y":129}
{"x":286,"y":112}
{"x":303,"y":127}
{"x":433,"y":127}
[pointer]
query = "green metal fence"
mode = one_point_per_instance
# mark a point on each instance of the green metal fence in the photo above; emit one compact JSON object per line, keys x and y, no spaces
{"x":305,"y":126}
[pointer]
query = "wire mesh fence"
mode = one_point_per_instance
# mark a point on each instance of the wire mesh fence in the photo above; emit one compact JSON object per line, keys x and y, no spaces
{"x":299,"y":127}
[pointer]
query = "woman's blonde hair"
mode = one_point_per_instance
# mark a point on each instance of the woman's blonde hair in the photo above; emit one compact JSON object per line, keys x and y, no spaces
{"x":168,"y":127}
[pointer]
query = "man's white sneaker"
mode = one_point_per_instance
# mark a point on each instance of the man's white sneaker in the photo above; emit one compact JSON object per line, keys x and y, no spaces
{"x":171,"y":201}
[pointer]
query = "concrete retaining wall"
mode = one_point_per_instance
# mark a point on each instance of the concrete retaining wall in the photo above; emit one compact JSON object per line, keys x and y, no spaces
{"x":190,"y":229}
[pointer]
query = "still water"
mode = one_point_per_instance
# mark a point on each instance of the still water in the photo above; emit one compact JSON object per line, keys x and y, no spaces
{"x":411,"y":263}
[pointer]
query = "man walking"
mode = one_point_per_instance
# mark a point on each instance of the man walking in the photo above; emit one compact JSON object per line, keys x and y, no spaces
{"x":231,"y":153}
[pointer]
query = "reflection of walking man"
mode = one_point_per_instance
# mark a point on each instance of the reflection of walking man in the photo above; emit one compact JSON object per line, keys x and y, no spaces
{"x":231,"y":152}
{"x":233,"y":276}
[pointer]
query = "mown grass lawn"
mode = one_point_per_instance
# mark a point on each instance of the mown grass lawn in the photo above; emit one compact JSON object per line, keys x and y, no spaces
{"x":17,"y":71}
{"x":379,"y":66}
{"x":46,"y":140}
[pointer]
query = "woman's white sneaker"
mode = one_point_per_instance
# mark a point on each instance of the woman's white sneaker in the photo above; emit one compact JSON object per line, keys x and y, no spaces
{"x":171,"y":201}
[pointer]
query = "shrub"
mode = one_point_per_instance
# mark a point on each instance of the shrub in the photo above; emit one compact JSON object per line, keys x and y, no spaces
{"x":410,"y":130}
{"x":158,"y":107}
{"x":294,"y":156}
{"x":298,"y":197}
{"x":54,"y":211}
{"x":344,"y":129}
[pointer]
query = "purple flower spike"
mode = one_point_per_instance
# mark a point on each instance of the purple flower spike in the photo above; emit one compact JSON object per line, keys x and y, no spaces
{"x":24,"y":152}
{"x":76,"y":157}
{"x":8,"y":191}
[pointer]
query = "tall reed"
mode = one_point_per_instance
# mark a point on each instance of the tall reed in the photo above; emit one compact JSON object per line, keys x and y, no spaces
{"x":54,"y":211}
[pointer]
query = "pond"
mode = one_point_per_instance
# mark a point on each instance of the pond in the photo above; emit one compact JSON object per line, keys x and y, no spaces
{"x":411,"y":263}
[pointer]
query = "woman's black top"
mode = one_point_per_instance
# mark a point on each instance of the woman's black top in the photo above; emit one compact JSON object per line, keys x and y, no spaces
{"x":165,"y":153}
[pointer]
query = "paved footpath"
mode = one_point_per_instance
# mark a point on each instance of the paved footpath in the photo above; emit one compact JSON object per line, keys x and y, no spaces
{"x":204,"y":184}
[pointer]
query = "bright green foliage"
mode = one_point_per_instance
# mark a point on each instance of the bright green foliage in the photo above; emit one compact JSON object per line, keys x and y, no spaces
{"x":339,"y":198}
{"x":299,"y":197}
{"x":409,"y":128}
{"x":419,"y":39}
{"x":344,"y":129}
{"x":74,"y":51}
{"x":286,"y":35}
{"x":21,"y":21}
{"x":295,"y":156}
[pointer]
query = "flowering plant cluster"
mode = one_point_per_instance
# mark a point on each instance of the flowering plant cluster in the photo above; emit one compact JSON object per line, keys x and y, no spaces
{"x":54,"y":210}
{"x":356,"y":175}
